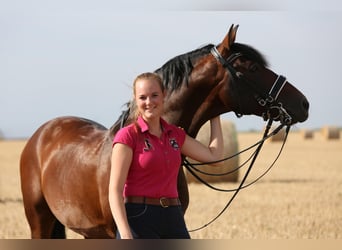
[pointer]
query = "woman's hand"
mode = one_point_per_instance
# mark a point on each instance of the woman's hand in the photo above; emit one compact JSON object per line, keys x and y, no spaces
{"x":199,"y":152}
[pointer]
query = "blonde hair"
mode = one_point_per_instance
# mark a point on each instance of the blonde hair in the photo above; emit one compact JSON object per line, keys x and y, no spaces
{"x":143,"y":76}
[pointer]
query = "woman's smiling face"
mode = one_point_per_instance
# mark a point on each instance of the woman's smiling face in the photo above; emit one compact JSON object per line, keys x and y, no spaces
{"x":149,"y":98}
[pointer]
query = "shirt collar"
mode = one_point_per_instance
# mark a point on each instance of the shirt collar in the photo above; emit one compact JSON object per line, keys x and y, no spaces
{"x":144,"y":126}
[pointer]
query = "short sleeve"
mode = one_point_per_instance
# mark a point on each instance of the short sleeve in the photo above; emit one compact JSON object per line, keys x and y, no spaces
{"x":126,"y":135}
{"x":180,"y":134}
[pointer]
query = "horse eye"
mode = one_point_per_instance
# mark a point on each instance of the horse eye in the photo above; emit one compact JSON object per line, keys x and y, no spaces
{"x":253,"y":68}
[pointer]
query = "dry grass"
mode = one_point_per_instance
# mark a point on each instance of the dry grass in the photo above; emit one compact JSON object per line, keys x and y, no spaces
{"x":300,"y":198}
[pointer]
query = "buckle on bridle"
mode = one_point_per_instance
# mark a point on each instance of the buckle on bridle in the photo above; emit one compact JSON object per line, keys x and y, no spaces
{"x":262,"y":102}
{"x":277,"y":112}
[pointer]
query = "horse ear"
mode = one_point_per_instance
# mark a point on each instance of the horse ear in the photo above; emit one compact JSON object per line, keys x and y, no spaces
{"x":230,"y":37}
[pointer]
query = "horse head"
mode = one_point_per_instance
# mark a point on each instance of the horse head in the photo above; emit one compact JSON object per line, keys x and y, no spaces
{"x":254,"y":88}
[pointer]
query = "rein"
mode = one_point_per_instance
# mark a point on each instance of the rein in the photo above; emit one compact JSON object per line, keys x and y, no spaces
{"x":190,"y":167}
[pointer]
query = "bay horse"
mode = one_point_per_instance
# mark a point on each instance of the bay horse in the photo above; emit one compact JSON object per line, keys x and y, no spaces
{"x":65,"y":165}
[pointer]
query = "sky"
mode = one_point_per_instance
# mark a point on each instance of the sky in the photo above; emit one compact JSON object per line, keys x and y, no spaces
{"x":74,"y":57}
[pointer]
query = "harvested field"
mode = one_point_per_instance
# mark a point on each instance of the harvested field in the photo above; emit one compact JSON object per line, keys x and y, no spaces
{"x":300,"y":198}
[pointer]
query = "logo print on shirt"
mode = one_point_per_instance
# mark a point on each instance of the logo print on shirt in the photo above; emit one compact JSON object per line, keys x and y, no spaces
{"x":174,"y":143}
{"x":148,"y":145}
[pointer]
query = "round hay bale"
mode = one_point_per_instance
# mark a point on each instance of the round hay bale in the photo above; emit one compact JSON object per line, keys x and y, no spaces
{"x":307,"y":134}
{"x":230,"y":148}
{"x":331,"y":133}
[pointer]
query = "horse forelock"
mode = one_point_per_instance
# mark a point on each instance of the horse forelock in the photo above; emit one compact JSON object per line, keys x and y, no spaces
{"x":250,"y":53}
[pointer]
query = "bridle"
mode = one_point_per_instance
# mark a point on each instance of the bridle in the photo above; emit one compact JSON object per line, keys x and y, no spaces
{"x":273,"y":111}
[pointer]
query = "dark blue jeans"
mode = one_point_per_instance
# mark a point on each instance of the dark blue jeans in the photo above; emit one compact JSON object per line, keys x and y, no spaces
{"x":156,"y":222}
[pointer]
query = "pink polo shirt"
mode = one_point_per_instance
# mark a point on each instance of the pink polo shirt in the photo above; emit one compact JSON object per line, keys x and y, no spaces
{"x":156,"y":161}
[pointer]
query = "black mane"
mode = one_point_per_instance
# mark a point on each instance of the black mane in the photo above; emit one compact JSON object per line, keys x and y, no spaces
{"x":177,"y":70}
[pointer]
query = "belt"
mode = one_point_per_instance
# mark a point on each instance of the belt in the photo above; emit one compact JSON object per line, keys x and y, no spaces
{"x":164,"y":202}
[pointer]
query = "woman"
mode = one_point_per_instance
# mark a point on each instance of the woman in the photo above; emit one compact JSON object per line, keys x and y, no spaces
{"x":146,"y":158}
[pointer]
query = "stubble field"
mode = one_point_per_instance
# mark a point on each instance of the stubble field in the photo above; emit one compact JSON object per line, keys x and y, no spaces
{"x":300,"y":198}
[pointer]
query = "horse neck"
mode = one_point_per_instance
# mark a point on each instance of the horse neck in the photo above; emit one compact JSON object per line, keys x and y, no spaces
{"x":193,"y":107}
{"x":203,"y":114}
